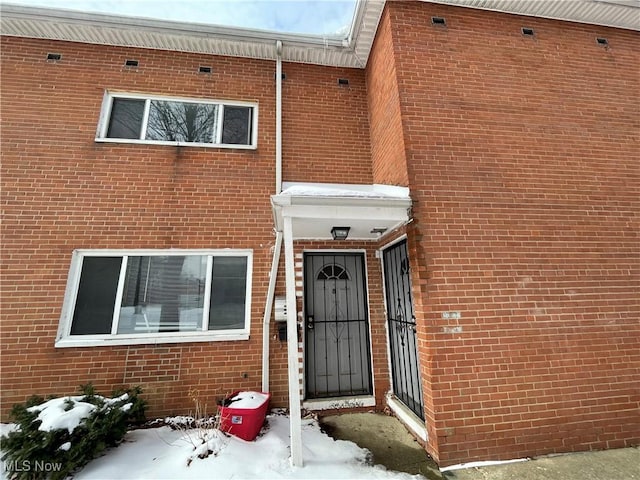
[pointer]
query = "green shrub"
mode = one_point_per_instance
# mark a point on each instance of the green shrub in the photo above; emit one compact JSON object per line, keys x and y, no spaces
{"x":57,"y":437}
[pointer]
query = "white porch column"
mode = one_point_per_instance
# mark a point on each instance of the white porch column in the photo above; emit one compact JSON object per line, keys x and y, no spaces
{"x":292,"y":346}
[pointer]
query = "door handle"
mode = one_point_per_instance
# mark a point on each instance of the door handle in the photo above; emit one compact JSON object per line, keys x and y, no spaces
{"x":310,"y":322}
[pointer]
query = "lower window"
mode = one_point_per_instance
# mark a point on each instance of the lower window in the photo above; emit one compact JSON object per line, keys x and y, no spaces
{"x":153,"y":296}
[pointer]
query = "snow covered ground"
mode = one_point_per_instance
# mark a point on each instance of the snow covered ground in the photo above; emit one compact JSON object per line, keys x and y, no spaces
{"x":163,"y":453}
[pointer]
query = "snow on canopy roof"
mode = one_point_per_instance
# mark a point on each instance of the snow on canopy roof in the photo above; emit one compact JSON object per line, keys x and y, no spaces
{"x":344,"y":190}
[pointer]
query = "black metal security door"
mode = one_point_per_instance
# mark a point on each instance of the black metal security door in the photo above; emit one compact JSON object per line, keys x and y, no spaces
{"x":337,"y":354}
{"x":405,"y":369}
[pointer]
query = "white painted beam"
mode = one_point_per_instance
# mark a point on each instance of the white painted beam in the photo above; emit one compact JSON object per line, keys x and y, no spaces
{"x":295,"y":414}
{"x":340,"y":212}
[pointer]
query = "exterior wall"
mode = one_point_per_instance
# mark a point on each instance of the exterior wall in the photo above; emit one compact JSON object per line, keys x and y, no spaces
{"x":63,"y":191}
{"x":388,"y":156}
{"x":325,"y":125}
{"x":522,"y":159}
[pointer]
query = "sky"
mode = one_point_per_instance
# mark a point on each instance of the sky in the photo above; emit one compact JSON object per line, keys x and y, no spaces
{"x":318,"y":17}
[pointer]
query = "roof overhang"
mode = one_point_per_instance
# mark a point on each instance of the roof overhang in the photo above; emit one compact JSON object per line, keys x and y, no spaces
{"x":609,"y":13}
{"x":69,"y":25}
{"x":371,"y":211}
{"x":351,"y":51}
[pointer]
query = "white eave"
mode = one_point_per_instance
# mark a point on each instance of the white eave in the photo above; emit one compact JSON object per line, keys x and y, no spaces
{"x":609,"y":13}
{"x":351,"y":51}
{"x":74,"y":26}
{"x":371,"y":211}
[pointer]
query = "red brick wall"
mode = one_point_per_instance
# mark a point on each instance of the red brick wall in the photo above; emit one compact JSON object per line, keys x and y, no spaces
{"x":62,"y":191}
{"x":325,"y":125}
{"x":523,"y":165}
{"x":388,"y":155}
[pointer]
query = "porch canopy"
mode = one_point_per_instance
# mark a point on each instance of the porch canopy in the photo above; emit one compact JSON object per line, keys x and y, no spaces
{"x":309,"y":211}
{"x":315,"y":208}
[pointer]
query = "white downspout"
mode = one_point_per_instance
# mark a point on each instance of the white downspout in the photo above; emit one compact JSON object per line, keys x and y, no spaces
{"x":278,"y":246}
{"x":278,"y":117}
{"x":267,"y":311}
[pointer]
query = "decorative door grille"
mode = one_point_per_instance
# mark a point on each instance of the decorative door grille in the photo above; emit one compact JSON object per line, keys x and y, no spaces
{"x":405,"y":366}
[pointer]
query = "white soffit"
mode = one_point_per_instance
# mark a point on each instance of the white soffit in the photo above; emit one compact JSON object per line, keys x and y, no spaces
{"x":371,"y":211}
{"x":74,"y":26}
{"x":610,"y":13}
{"x":352,"y":51}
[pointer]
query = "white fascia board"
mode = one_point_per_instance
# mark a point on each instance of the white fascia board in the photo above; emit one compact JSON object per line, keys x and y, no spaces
{"x":123,"y":22}
{"x":343,"y":189}
{"x":349,"y":51}
{"x":328,"y":201}
{"x":609,"y":13}
{"x":342,"y":212}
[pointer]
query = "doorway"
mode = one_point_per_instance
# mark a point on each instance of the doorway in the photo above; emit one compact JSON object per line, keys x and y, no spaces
{"x":337,"y":348}
{"x":405,"y":366}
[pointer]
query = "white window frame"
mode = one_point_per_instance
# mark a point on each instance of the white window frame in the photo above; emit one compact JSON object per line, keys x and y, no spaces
{"x":105,"y":116}
{"x":65,"y":339}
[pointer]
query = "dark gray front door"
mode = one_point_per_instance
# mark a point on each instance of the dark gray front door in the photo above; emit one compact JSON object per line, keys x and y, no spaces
{"x":405,"y":367}
{"x":337,"y":354}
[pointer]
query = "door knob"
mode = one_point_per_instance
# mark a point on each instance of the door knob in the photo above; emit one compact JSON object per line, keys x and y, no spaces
{"x":310,"y":322}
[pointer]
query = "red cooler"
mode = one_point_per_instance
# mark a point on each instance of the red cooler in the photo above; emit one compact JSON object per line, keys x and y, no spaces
{"x":242,"y":414}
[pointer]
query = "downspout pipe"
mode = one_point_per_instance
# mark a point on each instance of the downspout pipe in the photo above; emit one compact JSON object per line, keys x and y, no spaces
{"x":267,"y":311}
{"x":278,"y":117}
{"x":278,"y":245}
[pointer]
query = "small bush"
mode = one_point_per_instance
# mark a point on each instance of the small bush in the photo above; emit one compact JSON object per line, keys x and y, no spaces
{"x":56,"y":437}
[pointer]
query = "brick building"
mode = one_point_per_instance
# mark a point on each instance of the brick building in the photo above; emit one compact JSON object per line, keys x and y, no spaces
{"x":483,"y":165}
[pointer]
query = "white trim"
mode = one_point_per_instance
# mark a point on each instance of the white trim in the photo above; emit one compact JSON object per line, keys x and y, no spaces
{"x":386,"y":316}
{"x":292,"y":347}
{"x":406,"y":416}
{"x":349,"y":51}
{"x":145,"y":117}
{"x":217,"y":139}
{"x":216,"y":134}
{"x":266,"y":320}
{"x":366,"y":190}
{"x":65,"y":339}
{"x":115,"y":321}
{"x":174,"y":144}
{"x":172,"y":98}
{"x":207,"y":292}
{"x":392,"y":243}
{"x":278,"y":117}
{"x":485,"y":463}
{"x":155,"y":339}
{"x":339,"y":403}
{"x":69,"y":299}
{"x":135,"y":252}
{"x":105,"y":114}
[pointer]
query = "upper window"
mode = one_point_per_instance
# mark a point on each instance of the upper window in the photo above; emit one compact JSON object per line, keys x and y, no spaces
{"x":152,"y":296}
{"x":172,"y":121}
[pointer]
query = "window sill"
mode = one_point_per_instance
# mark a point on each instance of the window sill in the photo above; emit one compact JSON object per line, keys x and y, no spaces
{"x":94,"y":341}
{"x":175,"y":144}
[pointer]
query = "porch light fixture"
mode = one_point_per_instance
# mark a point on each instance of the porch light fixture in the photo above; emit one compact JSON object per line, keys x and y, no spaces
{"x":340,"y":233}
